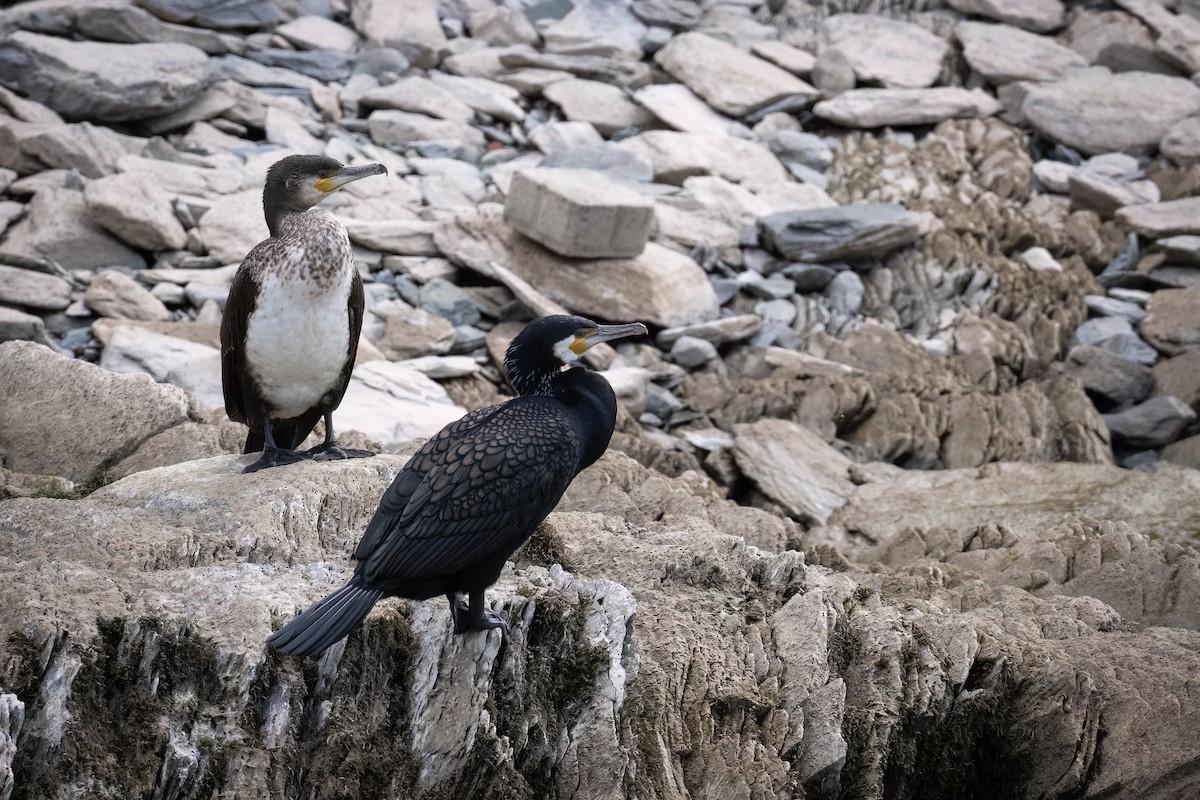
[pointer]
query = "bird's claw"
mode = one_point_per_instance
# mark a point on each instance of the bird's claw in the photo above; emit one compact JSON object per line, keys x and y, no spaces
{"x":277,"y":457}
{"x":335,"y":452}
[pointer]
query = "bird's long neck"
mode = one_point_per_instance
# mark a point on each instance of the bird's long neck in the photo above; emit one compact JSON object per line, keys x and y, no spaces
{"x":593,"y":407}
{"x":276,"y":210}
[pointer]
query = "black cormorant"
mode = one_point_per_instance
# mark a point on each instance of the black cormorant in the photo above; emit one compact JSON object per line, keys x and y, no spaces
{"x":290,"y":330}
{"x":478,"y":489}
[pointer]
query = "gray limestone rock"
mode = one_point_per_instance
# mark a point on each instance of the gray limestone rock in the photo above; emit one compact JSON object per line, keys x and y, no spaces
{"x":1172,"y":323}
{"x":312,"y":32}
{"x":1105,"y":195}
{"x":794,"y":467}
{"x":410,"y":26}
{"x":1116,"y":380}
{"x":579,"y":213}
{"x":607,"y":158}
{"x":890,"y":52}
{"x":192,"y":366}
{"x":24,"y":287}
{"x":732,"y":81}
{"x":804,"y":148}
{"x":219,"y":14}
{"x":395,"y":404}
{"x":688,"y":351}
{"x":97,"y":417}
{"x":833,"y":73}
{"x":1154,"y":423}
{"x":1113,"y":307}
{"x":828,"y":234}
{"x":419,"y":95}
{"x":1179,"y":376}
{"x":57,"y":225}
{"x":809,"y":277}
{"x":132,"y":25}
{"x":875,"y":108}
{"x":1155,"y":220}
{"x":396,"y":129}
{"x":606,"y":107}
{"x":1002,"y":54}
{"x":845,"y":293}
{"x":722,"y":331}
{"x":114,"y":294}
{"x":676,"y":156}
{"x":677,"y":106}
{"x":440,"y":296}
{"x":1035,"y":15}
{"x":605,"y":28}
{"x":103,"y":82}
{"x":1096,"y":111}
{"x":484,"y":96}
{"x":1181,"y":142}
{"x":410,"y":332}
{"x":325,"y":65}
{"x":134,"y":207}
{"x":17,"y":325}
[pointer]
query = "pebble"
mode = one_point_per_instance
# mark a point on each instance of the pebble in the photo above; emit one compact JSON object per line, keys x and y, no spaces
{"x":689,"y":351}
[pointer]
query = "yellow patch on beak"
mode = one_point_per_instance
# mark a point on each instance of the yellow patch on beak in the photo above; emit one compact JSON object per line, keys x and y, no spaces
{"x":325,"y":185}
{"x":580,"y":345}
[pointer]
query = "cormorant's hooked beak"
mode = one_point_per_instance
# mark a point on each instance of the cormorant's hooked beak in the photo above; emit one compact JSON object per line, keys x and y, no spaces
{"x":605,"y":333}
{"x":348,"y":175}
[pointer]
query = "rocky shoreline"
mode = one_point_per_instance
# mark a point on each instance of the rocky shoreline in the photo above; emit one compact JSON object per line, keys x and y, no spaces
{"x":910,"y":458}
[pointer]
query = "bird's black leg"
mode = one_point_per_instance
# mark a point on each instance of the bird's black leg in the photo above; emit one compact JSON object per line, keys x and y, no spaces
{"x":474,"y":616}
{"x":330,"y":450}
{"x":458,"y":610}
{"x":273,"y":455}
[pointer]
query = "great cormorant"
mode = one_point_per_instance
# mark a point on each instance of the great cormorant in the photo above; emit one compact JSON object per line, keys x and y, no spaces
{"x":478,"y":489}
{"x":290,"y":330}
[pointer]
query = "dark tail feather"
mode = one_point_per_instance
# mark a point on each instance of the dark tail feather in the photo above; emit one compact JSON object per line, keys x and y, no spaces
{"x":327,"y":622}
{"x":255,"y":442}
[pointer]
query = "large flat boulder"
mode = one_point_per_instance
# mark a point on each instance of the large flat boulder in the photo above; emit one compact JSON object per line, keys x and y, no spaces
{"x":60,"y":416}
{"x":102,"y":81}
{"x":1100,"y":112}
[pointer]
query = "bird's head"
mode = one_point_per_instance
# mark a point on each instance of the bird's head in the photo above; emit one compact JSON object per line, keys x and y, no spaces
{"x":548,"y":344}
{"x":297,"y":183}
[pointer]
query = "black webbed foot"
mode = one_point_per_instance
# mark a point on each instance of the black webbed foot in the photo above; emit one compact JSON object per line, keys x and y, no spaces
{"x":332,"y":451}
{"x":475,"y":617}
{"x":277,"y":457}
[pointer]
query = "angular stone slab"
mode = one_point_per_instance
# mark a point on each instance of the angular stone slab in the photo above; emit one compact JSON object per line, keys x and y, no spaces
{"x":607,"y":107}
{"x":24,"y":287}
{"x":1172,"y":323}
{"x":731,"y":80}
{"x":579,"y":213}
{"x":1154,"y":423}
{"x":892,"y":52}
{"x":1034,"y":15}
{"x":100,"y":81}
{"x":1099,"y":112}
{"x":102,"y":416}
{"x":875,"y":108}
{"x":677,"y":106}
{"x":1003,"y":54}
{"x":828,"y":234}
{"x":794,"y":467}
{"x":1171,"y":218}
{"x":134,"y":207}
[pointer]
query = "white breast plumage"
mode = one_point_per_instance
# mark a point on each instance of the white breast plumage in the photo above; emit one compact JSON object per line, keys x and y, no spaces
{"x":297,"y":340}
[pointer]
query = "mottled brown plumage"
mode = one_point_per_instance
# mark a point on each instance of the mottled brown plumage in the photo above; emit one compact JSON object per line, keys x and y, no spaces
{"x":292,"y":321}
{"x":478,"y":489}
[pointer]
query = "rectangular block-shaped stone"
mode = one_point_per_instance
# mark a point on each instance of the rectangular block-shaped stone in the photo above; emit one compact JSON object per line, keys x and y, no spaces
{"x":579,"y":213}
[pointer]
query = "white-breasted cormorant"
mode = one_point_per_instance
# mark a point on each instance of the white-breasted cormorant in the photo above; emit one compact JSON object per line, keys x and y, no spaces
{"x":290,"y":330}
{"x":478,"y":489}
